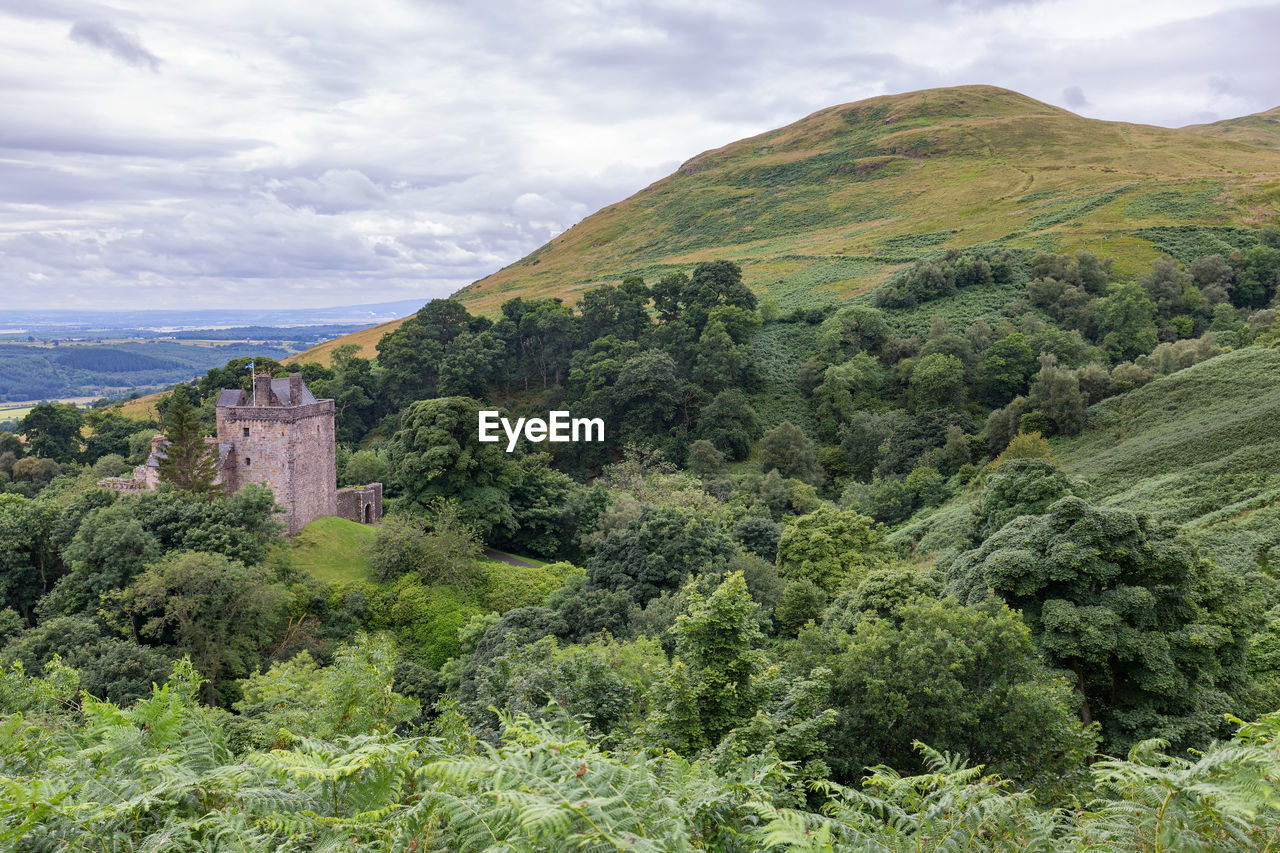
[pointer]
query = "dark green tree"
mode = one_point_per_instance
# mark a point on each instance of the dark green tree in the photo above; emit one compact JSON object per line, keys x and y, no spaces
{"x":410,"y":355}
{"x":1018,"y":487}
{"x":1128,"y":322}
{"x":189,"y":462}
{"x":658,"y":551}
{"x":222,"y":613}
{"x":29,"y":563}
{"x":966,"y":678}
{"x":788,"y":450}
{"x":1151,"y":633}
{"x":437,"y":454}
{"x":1056,"y":394}
{"x":52,"y":430}
{"x":110,"y":547}
{"x":617,"y":311}
{"x":1007,"y":368}
{"x":730,"y":423}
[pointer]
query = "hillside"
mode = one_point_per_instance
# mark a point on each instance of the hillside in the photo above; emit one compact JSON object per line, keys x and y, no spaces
{"x":830,"y":206}
{"x":1198,"y":448}
{"x":1262,"y":129}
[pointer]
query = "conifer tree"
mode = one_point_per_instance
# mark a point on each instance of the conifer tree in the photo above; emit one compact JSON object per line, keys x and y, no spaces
{"x":188,"y":463}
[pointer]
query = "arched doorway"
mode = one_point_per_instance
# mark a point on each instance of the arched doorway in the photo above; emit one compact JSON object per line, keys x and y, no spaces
{"x":368,"y":513}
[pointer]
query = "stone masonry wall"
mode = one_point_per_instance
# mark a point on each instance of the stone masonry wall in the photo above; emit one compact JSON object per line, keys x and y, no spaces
{"x":290,"y":450}
{"x":361,"y":503}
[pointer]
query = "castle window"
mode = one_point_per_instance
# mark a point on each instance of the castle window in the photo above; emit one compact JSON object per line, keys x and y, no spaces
{"x":247,"y":461}
{"x":246,"y":432}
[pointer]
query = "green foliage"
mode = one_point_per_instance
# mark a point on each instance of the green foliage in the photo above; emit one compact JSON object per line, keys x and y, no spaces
{"x":729,"y":422}
{"x":657,"y":551}
{"x":439,"y":549}
{"x":786,"y":449}
{"x":967,"y":677}
{"x":109,"y":549}
{"x":161,"y":774}
{"x":831,"y":548}
{"x":1152,"y":633}
{"x":222,"y":613}
{"x":507,"y":586}
{"x":188,"y":461}
{"x":52,"y":430}
{"x":1015,"y":488}
{"x":1188,"y":242}
{"x":603,"y":684}
{"x":425,"y":620}
{"x":109,"y":667}
{"x":708,"y":690}
{"x":435,"y":455}
{"x":297,"y":698}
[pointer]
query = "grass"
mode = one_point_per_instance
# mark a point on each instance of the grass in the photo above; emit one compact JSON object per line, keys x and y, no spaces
{"x":333,"y":550}
{"x":14,"y":413}
{"x":1199,"y":448}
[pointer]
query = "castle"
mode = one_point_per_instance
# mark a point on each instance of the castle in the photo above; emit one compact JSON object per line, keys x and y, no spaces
{"x":279,"y":435}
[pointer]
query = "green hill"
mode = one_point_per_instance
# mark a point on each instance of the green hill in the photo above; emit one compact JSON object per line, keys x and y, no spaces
{"x":1262,"y":129}
{"x":1200,"y":448}
{"x":838,"y":200}
{"x":831,"y":206}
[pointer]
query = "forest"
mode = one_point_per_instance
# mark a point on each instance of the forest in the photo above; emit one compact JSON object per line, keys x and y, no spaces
{"x":881,"y":574}
{"x":116,"y":362}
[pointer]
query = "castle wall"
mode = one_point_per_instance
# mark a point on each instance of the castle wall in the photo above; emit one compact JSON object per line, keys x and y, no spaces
{"x":361,"y":503}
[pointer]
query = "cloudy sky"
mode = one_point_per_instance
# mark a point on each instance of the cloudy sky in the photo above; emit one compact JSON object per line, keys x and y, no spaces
{"x":315,"y":152}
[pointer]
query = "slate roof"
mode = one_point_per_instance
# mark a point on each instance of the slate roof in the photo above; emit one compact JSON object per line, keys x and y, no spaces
{"x":280,"y":387}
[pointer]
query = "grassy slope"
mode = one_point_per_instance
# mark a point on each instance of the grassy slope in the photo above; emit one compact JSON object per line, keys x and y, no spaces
{"x":872,"y":185}
{"x":366,"y":339}
{"x":332,"y":549}
{"x":1200,"y":448}
{"x":1261,"y":129}
{"x":832,"y":205}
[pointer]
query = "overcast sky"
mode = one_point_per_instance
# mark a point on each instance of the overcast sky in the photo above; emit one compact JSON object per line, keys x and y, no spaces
{"x":321,"y":153}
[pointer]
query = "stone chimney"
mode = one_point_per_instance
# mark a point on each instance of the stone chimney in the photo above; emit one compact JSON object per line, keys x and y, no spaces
{"x":262,"y":389}
{"x":295,"y":389}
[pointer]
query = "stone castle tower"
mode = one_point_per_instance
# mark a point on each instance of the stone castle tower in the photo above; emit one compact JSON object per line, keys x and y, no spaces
{"x":279,"y":435}
{"x":282,"y":436}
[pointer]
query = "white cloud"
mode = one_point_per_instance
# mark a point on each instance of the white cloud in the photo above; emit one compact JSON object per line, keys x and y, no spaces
{"x":313,"y":153}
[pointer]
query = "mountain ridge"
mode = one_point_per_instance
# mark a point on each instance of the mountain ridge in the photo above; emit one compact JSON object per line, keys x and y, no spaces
{"x":832,"y":205}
